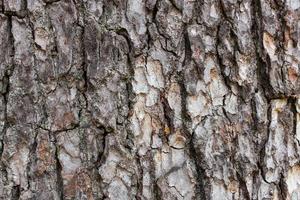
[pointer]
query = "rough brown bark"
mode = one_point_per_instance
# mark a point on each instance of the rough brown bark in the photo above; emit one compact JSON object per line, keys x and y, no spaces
{"x":149,"y":99}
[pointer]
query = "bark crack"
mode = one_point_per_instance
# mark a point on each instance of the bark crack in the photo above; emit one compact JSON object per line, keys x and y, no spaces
{"x":60,"y":183}
{"x":186,"y":121}
{"x":8,"y":74}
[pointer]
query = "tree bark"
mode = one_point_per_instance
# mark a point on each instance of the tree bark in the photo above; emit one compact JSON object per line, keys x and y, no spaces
{"x":149,"y":99}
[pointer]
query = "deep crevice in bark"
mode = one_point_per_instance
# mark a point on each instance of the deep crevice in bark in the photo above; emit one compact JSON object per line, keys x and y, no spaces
{"x":60,"y":183}
{"x":263,"y":63}
{"x":6,"y":83}
{"x":261,"y":161}
{"x":243,"y":186}
{"x":16,"y":192}
{"x":282,"y":187}
{"x":186,"y":120}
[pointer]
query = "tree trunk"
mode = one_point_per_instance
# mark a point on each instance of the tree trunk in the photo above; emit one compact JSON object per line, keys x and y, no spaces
{"x":149,"y":99}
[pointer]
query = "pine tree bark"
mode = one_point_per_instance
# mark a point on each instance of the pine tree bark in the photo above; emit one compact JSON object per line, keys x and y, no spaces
{"x":149,"y":99}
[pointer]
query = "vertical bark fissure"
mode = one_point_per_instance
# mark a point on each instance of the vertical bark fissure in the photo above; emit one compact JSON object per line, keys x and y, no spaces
{"x":2,"y":6}
{"x":186,"y":120}
{"x":261,"y":161}
{"x":293,"y":107}
{"x":129,"y":90}
{"x":139,"y":177}
{"x":32,"y":160}
{"x":227,"y":80}
{"x":157,"y":193}
{"x":243,"y":186}
{"x":102,"y":155}
{"x":16,"y":192}
{"x":84,"y":56}
{"x":282,"y":187}
{"x":6,"y":82}
{"x":263,"y":64}
{"x":59,"y":177}
{"x":281,"y":46}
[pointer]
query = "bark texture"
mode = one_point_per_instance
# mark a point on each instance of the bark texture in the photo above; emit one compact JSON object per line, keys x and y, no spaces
{"x":149,"y":99}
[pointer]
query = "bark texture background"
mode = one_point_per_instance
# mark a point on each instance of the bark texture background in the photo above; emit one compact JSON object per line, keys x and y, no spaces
{"x":149,"y":99}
